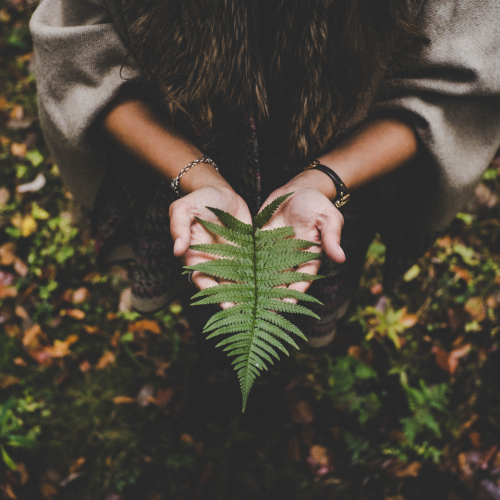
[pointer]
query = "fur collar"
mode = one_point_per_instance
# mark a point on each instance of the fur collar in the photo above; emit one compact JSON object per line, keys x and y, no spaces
{"x":309,"y":65}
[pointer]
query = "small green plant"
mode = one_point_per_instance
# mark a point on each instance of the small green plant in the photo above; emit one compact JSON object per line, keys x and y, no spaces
{"x":257,"y":262}
{"x":12,"y":432}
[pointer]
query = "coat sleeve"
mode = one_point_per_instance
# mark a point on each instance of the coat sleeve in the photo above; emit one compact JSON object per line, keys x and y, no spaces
{"x":451,"y":95}
{"x":81,"y":63}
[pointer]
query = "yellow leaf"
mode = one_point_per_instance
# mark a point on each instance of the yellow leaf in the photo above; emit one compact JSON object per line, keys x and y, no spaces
{"x":28,"y":226}
{"x":412,"y":273}
{"x":39,"y":213}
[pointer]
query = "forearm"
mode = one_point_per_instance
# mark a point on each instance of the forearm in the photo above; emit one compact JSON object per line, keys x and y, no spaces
{"x":377,"y":148}
{"x":133,"y":125}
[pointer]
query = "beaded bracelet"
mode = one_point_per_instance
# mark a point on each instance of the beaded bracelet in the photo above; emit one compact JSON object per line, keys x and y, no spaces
{"x":175,"y":182}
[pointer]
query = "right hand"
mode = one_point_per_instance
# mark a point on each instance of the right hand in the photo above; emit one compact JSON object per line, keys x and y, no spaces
{"x":186,"y":230}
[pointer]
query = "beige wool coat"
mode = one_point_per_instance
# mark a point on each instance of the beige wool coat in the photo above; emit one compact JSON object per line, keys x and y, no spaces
{"x":451,"y":93}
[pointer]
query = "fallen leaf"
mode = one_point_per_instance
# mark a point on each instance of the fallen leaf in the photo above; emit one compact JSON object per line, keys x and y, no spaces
{"x":35,"y":185}
{"x":455,"y":355}
{"x":408,"y":320}
{"x":92,"y":330}
{"x":401,"y":469}
{"x":17,"y":112}
{"x":85,"y":366}
{"x":75,"y":314}
{"x":187,"y":439}
{"x":28,"y":226}
{"x":4,"y":195}
{"x":319,"y":460}
{"x":18,"y":149}
{"x":20,"y":362}
{"x":20,"y":267}
{"x":120,"y":400}
{"x":77,"y":464}
{"x":8,"y":491}
{"x":364,"y":355}
{"x":164,"y":396}
{"x":61,"y":347}
{"x":7,"y":255}
{"x":7,"y":380}
{"x":376,"y":289}
{"x":476,"y":309}
{"x":80,"y":295}
{"x":23,"y":473}
{"x":301,"y":413}
{"x":475,"y":439}
{"x":33,"y":335}
{"x":108,"y":358}
{"x":21,"y":312}
{"x":145,"y":325}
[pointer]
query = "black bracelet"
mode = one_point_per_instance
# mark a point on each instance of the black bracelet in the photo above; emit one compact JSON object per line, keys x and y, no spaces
{"x":343,"y":195}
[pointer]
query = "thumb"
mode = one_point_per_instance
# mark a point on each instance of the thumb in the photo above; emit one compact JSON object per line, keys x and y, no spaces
{"x":180,"y":229}
{"x":330,"y":238}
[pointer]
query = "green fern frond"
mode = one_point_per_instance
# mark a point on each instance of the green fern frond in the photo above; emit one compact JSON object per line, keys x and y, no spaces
{"x":257,"y":261}
{"x":265,"y":216}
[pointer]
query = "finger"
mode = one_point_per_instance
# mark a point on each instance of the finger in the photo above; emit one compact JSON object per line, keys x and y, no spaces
{"x":308,"y":268}
{"x":226,"y":305}
{"x":180,"y":229}
{"x":330,"y":230}
{"x":202,"y":280}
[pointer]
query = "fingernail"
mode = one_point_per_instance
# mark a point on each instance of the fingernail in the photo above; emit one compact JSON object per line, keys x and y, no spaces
{"x":177,"y":244}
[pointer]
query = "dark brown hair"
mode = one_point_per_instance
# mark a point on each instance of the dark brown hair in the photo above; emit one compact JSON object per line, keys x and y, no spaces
{"x":328,"y":58}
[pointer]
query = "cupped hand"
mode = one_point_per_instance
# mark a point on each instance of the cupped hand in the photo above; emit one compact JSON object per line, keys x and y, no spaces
{"x":314,"y":218}
{"x":186,"y":230}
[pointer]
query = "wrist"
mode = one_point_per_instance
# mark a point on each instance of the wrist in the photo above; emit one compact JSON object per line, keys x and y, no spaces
{"x":313,"y":179}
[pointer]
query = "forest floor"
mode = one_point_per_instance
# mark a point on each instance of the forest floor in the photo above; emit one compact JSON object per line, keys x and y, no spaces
{"x":98,"y":402}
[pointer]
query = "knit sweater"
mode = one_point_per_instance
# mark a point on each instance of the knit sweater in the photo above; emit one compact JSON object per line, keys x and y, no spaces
{"x":450,"y":94}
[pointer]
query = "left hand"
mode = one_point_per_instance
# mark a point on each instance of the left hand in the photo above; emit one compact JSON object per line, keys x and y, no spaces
{"x":313,"y":217}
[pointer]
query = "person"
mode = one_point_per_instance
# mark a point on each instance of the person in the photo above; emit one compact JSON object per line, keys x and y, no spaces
{"x":400,"y":99}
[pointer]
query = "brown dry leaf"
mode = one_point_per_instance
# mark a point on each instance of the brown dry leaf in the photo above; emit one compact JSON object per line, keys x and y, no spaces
{"x":33,"y":335}
{"x":21,"y":312}
{"x":301,"y":413}
{"x":108,"y":358}
{"x":319,"y":460}
{"x":7,"y":255}
{"x":475,"y":439}
{"x":48,"y":491}
{"x":7,"y":292}
{"x":120,"y":400}
{"x":17,"y":112}
{"x":376,"y":289}
{"x":408,"y":320}
{"x":455,"y":355}
{"x":61,"y":347}
{"x":92,"y":330}
{"x":8,"y":491}
{"x":12,"y":331}
{"x":401,"y":469}
{"x":462,"y":273}
{"x":23,"y":473}
{"x":20,"y":362}
{"x":20,"y":267}
{"x":4,"y":195}
{"x":476,"y":309}
{"x":18,"y":149}
{"x":187,"y":439}
{"x":77,"y":464}
{"x":358,"y":352}
{"x":7,"y":380}
{"x":76,"y":314}
{"x":85,"y":366}
{"x":162,"y":367}
{"x":145,"y":325}
{"x":164,"y":396}
{"x":80,"y":295}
